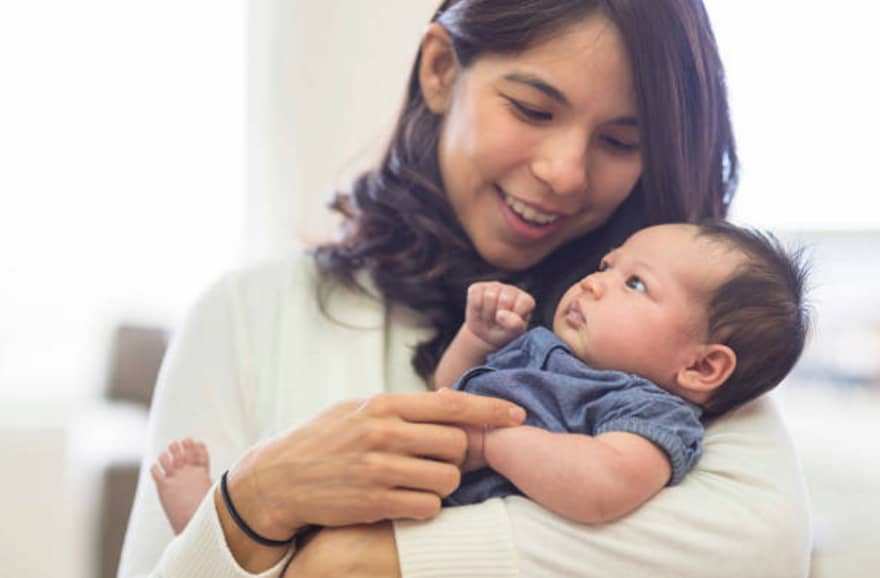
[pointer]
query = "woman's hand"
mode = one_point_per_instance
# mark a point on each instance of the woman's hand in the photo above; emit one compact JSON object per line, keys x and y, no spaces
{"x":390,"y":456}
{"x":366,"y":551}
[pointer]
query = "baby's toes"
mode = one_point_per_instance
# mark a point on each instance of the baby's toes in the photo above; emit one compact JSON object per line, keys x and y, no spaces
{"x":177,"y":455}
{"x":167,"y":463}
{"x":201,"y":451}
{"x":191,"y":453}
{"x":188,"y":449}
{"x":157,"y":473}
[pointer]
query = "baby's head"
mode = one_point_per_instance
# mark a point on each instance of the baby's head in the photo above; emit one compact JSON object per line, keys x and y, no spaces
{"x":713,"y":313}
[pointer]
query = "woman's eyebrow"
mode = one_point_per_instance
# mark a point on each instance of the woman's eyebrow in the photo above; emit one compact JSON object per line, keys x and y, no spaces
{"x":537,"y":84}
{"x":554,"y":93}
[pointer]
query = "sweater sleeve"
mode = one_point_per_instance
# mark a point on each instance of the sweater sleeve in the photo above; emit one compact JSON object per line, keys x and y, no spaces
{"x":198,"y":394}
{"x":742,"y":512}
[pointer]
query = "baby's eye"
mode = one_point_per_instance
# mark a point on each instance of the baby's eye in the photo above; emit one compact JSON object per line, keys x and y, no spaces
{"x":603,"y":265}
{"x":636,"y":284}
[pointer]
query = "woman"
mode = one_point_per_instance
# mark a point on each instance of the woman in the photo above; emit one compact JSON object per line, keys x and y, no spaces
{"x":535,"y":134}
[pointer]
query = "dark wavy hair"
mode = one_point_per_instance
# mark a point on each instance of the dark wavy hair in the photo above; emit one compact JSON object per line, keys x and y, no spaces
{"x":399,"y":228}
{"x":760,"y":312}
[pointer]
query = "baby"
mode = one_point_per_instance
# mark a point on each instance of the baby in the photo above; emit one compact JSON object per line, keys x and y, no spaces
{"x":682,"y":321}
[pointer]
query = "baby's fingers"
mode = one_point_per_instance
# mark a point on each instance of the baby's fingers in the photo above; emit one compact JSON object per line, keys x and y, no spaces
{"x":524,"y":305}
{"x":510,"y":321}
{"x":507,"y":297}
{"x":490,"y":302}
{"x":475,"y":300}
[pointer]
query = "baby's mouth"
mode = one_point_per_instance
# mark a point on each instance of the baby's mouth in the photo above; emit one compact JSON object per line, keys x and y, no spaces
{"x":575,"y":314}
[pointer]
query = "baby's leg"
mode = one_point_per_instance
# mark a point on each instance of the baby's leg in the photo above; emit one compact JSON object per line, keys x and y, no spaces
{"x":182,"y":480}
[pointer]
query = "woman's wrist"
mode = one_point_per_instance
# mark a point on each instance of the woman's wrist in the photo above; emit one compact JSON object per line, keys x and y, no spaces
{"x":253,"y":501}
{"x":249,"y":555}
{"x":243,"y":525}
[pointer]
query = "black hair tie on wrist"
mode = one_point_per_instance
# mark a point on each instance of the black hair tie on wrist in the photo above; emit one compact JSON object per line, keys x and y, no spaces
{"x":224,"y":490}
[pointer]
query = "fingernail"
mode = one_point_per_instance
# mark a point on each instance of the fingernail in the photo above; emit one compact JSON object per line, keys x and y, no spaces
{"x":517,"y":414}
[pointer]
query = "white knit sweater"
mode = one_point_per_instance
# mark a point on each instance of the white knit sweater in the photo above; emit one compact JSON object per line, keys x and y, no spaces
{"x":256,"y":357}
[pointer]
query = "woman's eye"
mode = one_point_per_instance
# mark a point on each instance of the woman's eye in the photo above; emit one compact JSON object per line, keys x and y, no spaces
{"x":532,"y":114}
{"x":636,"y":284}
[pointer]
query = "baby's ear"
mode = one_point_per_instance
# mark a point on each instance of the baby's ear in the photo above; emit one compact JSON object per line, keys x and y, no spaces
{"x":712,"y":366}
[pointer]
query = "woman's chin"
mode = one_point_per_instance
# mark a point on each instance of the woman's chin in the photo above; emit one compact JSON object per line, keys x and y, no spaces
{"x":511,"y":257}
{"x":513,"y":263}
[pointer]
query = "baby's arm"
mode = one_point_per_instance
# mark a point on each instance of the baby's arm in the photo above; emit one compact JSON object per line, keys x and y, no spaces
{"x":496,"y":314}
{"x":583,"y":478}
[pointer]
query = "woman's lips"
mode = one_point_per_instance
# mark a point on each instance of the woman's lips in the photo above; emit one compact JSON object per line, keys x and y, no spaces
{"x":526,"y":229}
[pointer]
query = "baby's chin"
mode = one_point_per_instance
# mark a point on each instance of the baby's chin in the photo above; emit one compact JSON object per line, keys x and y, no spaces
{"x":572,"y":339}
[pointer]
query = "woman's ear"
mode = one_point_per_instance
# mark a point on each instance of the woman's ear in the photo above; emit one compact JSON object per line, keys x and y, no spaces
{"x":711,"y":368}
{"x":437,"y":68}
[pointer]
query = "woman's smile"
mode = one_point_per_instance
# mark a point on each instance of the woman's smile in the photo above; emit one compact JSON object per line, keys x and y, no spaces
{"x":523,"y":183}
{"x":526,"y":221}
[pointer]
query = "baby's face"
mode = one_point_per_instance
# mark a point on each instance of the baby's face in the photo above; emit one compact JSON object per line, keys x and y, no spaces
{"x":644,"y":310}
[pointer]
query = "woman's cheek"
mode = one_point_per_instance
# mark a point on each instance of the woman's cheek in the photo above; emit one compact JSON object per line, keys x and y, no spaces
{"x":504,"y":142}
{"x":614,"y":179}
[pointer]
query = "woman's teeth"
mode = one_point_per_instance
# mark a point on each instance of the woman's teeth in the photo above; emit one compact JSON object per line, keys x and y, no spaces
{"x":528,"y":213}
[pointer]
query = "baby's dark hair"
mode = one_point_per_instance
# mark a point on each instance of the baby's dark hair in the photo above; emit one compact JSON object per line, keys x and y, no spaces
{"x":760,"y":313}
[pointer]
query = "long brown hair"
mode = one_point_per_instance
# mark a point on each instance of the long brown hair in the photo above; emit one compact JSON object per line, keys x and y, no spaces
{"x":400,"y":229}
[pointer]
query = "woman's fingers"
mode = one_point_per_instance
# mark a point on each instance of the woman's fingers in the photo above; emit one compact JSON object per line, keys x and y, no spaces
{"x":389,"y":456}
{"x":442,"y":442}
{"x":386,"y":470}
{"x":379,"y":504}
{"x":403,"y":503}
{"x":446,"y":406}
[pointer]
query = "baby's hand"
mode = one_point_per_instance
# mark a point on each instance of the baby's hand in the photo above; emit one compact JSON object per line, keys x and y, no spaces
{"x":497,"y":313}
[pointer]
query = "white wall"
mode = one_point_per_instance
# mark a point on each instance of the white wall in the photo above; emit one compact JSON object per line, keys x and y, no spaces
{"x":121,"y":193}
{"x":36,"y":536}
{"x":325,"y":82}
{"x":121,"y":190}
{"x":804,"y":93}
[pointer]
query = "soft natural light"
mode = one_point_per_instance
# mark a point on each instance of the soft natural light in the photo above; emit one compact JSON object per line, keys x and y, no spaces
{"x":803,"y":83}
{"x":123,"y":134}
{"x":122,"y":176}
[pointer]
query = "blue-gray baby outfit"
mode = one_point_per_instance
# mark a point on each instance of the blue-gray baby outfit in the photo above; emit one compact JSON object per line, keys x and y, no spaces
{"x":560,"y":393}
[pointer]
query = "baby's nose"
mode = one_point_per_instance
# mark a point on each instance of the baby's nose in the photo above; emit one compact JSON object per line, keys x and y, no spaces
{"x":594,"y":285}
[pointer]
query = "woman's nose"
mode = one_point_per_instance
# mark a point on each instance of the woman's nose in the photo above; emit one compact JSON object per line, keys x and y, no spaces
{"x":562,"y":165}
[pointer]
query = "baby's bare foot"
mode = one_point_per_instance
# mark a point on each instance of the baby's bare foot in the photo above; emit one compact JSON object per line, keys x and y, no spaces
{"x":182,"y":480}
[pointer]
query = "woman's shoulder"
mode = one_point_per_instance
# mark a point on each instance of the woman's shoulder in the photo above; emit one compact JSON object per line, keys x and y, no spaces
{"x":752,"y":445}
{"x":272,"y":276}
{"x":758,"y":422}
{"x":253,"y":297}
{"x":273,"y":290}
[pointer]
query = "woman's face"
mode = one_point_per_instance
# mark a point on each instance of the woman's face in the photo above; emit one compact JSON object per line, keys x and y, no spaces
{"x":540,"y":147}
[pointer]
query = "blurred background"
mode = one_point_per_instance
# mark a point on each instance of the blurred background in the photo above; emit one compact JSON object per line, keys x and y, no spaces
{"x":149,"y":146}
